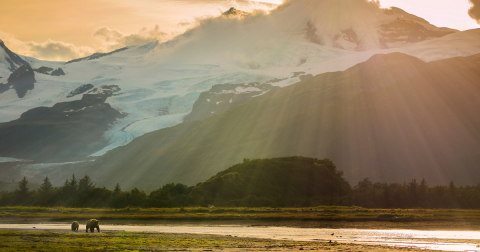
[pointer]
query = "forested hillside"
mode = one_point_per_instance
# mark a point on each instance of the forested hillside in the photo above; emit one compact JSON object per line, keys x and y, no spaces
{"x":277,"y":182}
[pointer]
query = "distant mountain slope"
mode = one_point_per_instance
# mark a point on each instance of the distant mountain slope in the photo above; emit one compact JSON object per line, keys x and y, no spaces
{"x":66,"y":130}
{"x":222,"y":97}
{"x":162,"y":80}
{"x":390,"y":118}
{"x":96,"y":56}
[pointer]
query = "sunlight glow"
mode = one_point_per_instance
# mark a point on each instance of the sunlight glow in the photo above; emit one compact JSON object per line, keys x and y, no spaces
{"x":269,"y":1}
{"x":441,"y":13}
{"x":165,"y":19}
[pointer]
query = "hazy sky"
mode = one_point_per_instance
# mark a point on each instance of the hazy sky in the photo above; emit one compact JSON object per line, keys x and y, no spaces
{"x":65,"y":29}
{"x":442,"y":13}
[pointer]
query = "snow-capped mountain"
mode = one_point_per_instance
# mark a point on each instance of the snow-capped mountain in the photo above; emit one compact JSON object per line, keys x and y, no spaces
{"x":9,"y":61}
{"x":391,"y":118}
{"x":156,"y":85}
{"x":355,"y":25}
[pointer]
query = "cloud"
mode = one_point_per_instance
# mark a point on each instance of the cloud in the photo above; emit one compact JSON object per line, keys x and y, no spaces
{"x":284,"y":36}
{"x":47,"y":50}
{"x":106,"y":39}
{"x":58,"y":50}
{"x":113,"y":39}
{"x":266,"y":37}
{"x":110,"y":38}
{"x":474,"y":11}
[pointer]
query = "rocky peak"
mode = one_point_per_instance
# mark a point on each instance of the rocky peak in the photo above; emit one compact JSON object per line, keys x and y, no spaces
{"x":13,"y":60}
{"x":234,"y":12}
{"x":58,"y":72}
{"x":80,"y":90}
{"x":21,"y":72}
{"x":22,"y":80}
{"x":43,"y":70}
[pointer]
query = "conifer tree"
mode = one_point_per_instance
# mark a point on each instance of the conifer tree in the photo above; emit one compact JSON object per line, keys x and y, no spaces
{"x":73,"y":183}
{"x":66,"y":186}
{"x":117,"y":190}
{"x":85,"y":184}
{"x":422,"y":193}
{"x":23,"y":187}
{"x":46,"y":187}
{"x":451,"y":187}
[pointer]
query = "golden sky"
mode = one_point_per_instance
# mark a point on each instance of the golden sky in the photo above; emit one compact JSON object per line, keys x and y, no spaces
{"x":65,"y":29}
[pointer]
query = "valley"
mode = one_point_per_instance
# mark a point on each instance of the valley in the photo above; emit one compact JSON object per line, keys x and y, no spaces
{"x":273,"y":125}
{"x":383,"y":93}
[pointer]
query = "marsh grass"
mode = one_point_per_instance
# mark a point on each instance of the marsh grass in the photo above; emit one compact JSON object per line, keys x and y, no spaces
{"x":127,"y":241}
{"x":319,"y":213}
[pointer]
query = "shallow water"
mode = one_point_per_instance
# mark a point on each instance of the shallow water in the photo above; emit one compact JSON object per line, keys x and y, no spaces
{"x":397,"y":238}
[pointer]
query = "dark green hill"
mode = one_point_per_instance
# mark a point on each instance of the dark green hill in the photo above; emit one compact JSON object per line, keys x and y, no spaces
{"x":390,"y":118}
{"x":289,"y":181}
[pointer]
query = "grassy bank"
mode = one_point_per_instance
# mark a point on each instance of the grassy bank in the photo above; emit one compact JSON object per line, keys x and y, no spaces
{"x":124,"y":241}
{"x":30,"y":239}
{"x":349,"y":214}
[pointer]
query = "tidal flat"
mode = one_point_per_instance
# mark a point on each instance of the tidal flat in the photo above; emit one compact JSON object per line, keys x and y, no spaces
{"x":63,"y":240}
{"x":138,"y":229}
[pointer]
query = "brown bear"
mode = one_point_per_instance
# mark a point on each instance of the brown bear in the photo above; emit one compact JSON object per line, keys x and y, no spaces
{"x":92,"y":224}
{"x":75,"y":226}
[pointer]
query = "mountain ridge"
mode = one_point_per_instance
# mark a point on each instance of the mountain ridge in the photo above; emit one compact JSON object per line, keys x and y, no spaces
{"x":194,"y":150}
{"x":162,"y":84}
{"x":11,"y":58}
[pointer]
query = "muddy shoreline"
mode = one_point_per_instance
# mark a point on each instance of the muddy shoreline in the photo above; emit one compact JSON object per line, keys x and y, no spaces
{"x":62,"y":240}
{"x":114,"y":240}
{"x":452,"y":225}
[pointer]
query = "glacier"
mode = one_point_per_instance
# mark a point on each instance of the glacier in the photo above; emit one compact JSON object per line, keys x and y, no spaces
{"x":160,"y":82}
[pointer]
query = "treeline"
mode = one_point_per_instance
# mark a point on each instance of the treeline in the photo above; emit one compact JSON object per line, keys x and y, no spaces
{"x":83,"y":193}
{"x":414,"y":194}
{"x":278,"y":182}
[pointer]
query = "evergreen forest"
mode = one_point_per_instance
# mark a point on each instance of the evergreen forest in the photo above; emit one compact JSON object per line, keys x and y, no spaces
{"x":276,"y":182}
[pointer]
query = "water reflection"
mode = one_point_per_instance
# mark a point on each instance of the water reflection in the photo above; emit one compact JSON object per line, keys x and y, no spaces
{"x":431,"y":240}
